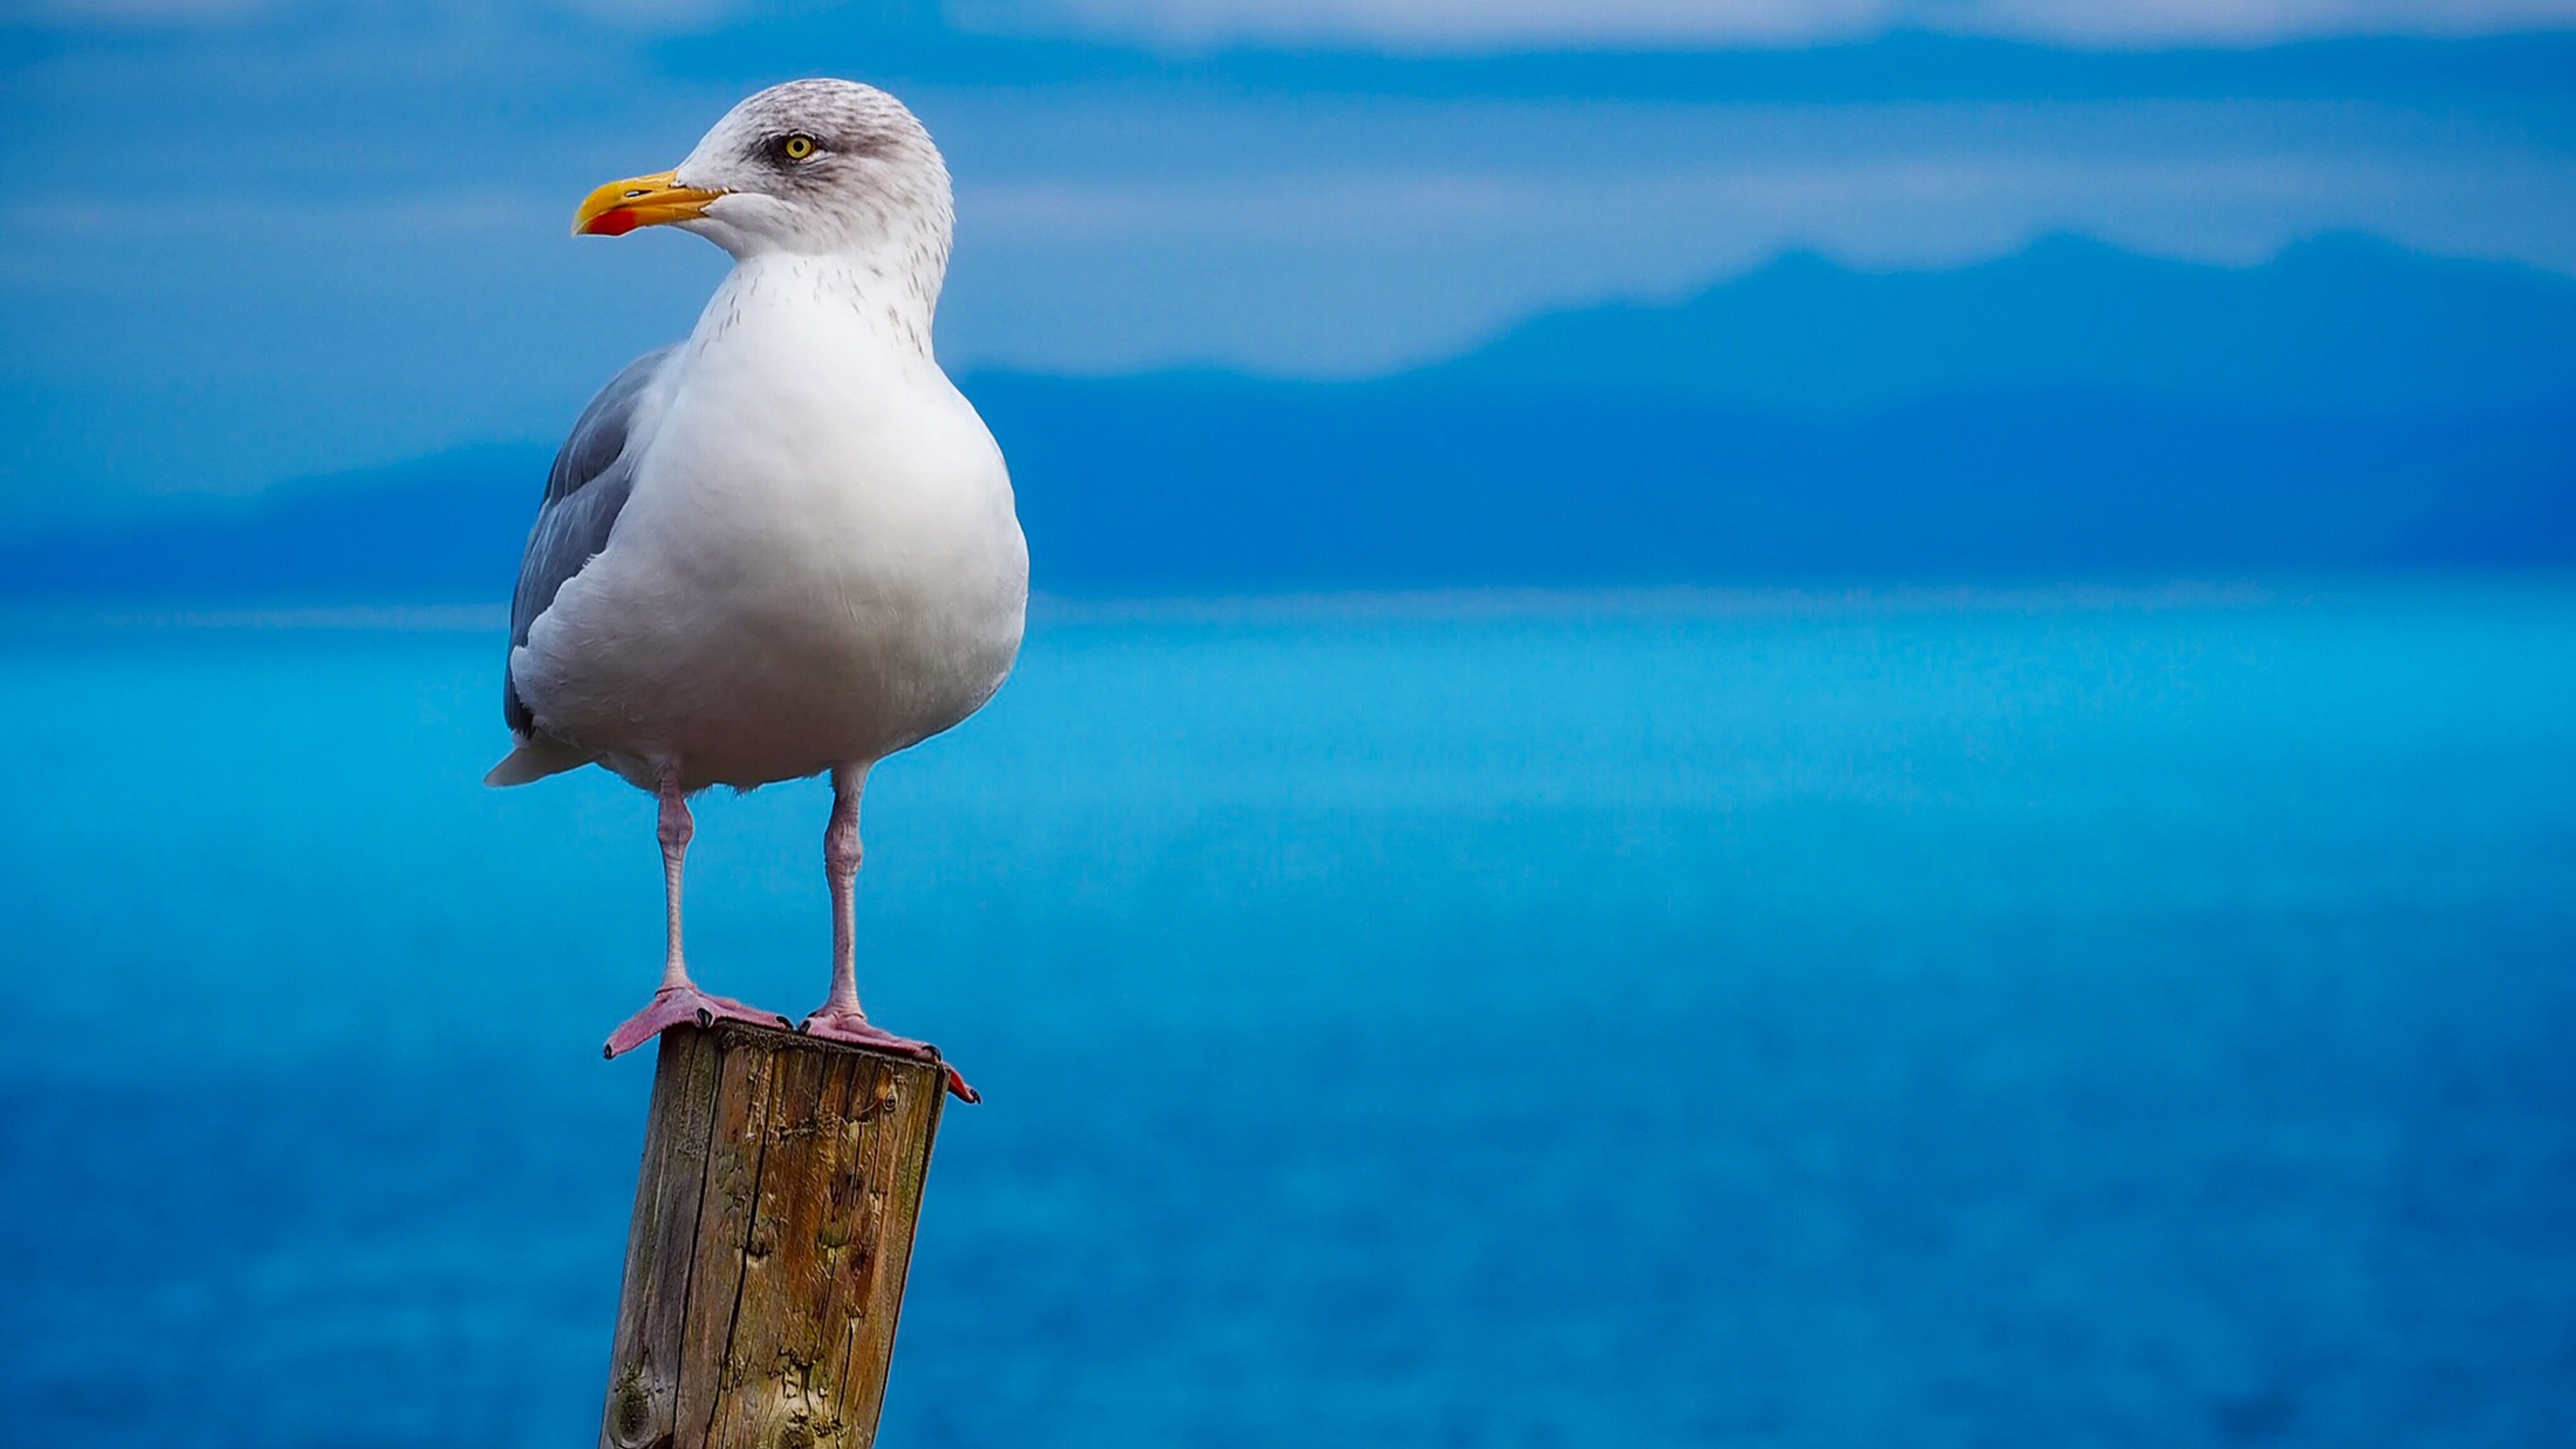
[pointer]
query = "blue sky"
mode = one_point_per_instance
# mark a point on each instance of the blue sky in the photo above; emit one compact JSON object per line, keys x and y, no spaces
{"x":247,"y":242}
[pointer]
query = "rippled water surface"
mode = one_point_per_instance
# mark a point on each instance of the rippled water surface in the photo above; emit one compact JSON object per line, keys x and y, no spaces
{"x":2022,"y":1020}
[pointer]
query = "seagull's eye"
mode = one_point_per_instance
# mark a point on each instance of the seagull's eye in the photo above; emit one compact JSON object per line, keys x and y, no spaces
{"x":796,"y":148}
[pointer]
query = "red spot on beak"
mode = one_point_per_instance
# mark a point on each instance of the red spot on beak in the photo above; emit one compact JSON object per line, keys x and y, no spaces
{"x":612,"y":223}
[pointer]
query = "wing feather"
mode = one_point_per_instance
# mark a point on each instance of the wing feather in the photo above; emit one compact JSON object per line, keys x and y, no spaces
{"x":585,"y":490}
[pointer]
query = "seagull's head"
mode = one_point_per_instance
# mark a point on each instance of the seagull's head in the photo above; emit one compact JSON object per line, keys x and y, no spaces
{"x":813,"y":166}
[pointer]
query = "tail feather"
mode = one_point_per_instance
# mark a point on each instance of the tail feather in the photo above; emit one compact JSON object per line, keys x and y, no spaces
{"x":536,"y":757}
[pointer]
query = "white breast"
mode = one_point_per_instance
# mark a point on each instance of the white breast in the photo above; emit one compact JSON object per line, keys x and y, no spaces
{"x":819,"y":564}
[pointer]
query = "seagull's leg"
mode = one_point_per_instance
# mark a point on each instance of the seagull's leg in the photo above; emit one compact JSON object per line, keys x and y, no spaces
{"x":839,"y":1017}
{"x":679,"y":1000}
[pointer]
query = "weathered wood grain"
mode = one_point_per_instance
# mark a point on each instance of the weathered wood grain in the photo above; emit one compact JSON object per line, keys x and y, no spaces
{"x":774,"y":1218}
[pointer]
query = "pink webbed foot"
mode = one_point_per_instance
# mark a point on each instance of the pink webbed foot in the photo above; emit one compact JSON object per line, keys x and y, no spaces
{"x":840,"y":1023}
{"x":682,"y":1006}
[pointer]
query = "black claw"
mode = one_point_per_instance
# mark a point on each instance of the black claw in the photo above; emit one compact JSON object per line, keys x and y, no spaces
{"x":706,"y":1018}
{"x":803,"y":1028}
{"x":608,"y":1051}
{"x":789,"y":1023}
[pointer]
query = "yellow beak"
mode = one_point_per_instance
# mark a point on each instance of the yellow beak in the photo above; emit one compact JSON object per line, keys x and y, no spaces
{"x":621,"y":206}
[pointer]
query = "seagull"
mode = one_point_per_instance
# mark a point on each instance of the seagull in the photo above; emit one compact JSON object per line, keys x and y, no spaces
{"x":785,"y":547}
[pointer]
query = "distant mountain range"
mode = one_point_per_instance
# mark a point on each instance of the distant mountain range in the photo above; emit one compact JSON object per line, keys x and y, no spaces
{"x":2343,"y":324}
{"x":2070,"y":412}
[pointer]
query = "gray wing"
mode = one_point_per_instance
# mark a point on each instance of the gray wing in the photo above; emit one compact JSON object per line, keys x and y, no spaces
{"x":592,"y":475}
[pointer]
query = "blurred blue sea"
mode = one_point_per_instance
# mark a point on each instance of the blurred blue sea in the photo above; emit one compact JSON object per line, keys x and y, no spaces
{"x":1904,"y":1019}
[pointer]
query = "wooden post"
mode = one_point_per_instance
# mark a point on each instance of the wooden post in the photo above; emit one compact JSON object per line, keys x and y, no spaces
{"x":773,"y":1224}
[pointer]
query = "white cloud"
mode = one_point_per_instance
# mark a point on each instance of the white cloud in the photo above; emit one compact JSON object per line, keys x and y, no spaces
{"x":1474,"y":25}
